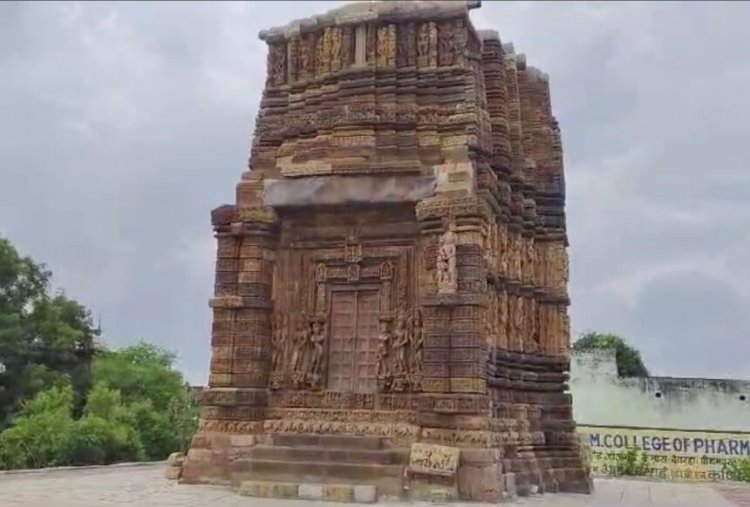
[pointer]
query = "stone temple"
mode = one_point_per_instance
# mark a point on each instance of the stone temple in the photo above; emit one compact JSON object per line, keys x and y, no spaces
{"x":394,"y":270}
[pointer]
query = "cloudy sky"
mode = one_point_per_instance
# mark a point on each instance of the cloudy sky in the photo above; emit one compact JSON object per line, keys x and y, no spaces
{"x":123,"y":124}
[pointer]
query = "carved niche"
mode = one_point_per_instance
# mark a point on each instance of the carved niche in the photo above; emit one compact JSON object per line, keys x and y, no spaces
{"x":277,"y":64}
{"x":447,"y":274}
{"x":445,"y":43}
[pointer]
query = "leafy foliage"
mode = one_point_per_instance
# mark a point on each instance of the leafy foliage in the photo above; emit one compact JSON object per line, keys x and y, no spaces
{"x":45,"y":339}
{"x":738,"y":469}
{"x":39,"y":432}
{"x":629,"y":361}
{"x":66,"y":401}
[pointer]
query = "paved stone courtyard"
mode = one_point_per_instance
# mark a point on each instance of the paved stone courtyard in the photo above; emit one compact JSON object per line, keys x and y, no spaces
{"x":145,"y":486}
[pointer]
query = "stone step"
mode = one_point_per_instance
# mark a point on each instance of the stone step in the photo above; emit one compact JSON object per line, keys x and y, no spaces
{"x":325,"y":454}
{"x":359,"y":493}
{"x":389,"y":479}
{"x":327,"y":441}
{"x":347,"y":471}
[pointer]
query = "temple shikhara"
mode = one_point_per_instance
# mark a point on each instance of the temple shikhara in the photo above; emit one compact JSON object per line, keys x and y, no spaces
{"x":391,"y":304}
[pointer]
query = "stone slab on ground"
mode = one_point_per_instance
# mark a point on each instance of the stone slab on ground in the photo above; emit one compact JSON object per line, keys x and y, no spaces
{"x":310,"y":491}
{"x":365,"y":494}
{"x":138,"y":486}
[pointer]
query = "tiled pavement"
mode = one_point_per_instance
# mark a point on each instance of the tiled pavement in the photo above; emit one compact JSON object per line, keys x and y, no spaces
{"x":145,"y":486}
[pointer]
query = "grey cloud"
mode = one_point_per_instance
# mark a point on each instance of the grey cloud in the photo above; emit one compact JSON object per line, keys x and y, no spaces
{"x":123,"y":124}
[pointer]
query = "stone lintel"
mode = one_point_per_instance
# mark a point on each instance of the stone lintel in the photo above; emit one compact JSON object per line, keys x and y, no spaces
{"x":347,"y":190}
{"x":234,"y":302}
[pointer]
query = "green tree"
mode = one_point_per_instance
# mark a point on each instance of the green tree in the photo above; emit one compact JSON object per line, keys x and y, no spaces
{"x":156,"y":396}
{"x":43,"y":336}
{"x":629,"y":361}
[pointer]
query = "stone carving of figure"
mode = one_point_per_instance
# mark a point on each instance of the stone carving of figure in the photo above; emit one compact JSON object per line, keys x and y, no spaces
{"x":306,"y":55}
{"x":321,"y":57}
{"x":564,"y":339}
{"x":446,"y":39}
{"x":530,"y":260}
{"x":503,"y":318}
{"x":446,"y":261}
{"x":423,"y":42}
{"x":293,"y":63}
{"x":384,"y":345}
{"x":336,"y":48}
{"x":417,"y":341}
{"x":301,"y":340}
{"x":278,"y":343}
{"x":383,"y":46}
{"x":516,"y":256}
{"x":502,"y":249}
{"x":401,"y":343}
{"x":565,"y":269}
{"x":317,"y":341}
{"x":540,"y":264}
{"x":517,"y":320}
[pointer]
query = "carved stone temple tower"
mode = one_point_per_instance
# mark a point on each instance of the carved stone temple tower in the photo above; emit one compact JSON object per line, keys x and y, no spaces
{"x":394,"y":270}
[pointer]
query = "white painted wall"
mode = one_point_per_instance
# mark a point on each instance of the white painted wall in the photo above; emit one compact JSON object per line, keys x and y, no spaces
{"x":600,"y":397}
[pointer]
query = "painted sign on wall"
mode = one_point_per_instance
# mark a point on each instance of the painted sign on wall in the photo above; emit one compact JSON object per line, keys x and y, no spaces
{"x":670,"y":454}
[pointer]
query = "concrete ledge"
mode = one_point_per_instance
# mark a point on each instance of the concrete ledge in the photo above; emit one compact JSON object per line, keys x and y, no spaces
{"x":114,"y":466}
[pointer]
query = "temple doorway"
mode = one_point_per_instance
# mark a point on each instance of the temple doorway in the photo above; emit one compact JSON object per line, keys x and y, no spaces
{"x":353,"y":341}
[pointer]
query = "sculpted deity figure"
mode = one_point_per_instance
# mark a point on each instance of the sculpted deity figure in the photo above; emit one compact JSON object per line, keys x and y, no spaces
{"x":565,"y":269}
{"x":416,"y":343}
{"x":336,"y":48}
{"x":423,"y":41}
{"x":306,"y":55}
{"x":446,"y":261}
{"x":540,"y":264}
{"x":502,"y":249}
{"x":530,"y":260}
{"x":446,"y":38}
{"x":502,"y":318}
{"x":517,"y":322}
{"x":317,"y":340}
{"x":400,"y":343}
{"x":301,"y":340}
{"x":384,"y":345}
{"x":564,"y":338}
{"x":278,"y":342}
{"x":516,"y":253}
{"x":321,"y":58}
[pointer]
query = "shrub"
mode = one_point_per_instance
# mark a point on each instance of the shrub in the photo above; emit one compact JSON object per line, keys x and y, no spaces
{"x":38,"y":436}
{"x":156,"y":432}
{"x":98,"y":441}
{"x":738,"y":469}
